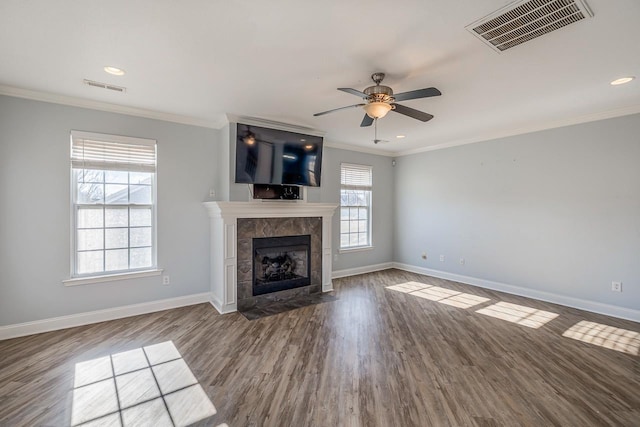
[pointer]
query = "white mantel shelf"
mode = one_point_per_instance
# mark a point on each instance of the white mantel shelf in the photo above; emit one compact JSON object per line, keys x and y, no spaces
{"x":223,"y":257}
{"x":274,"y":209}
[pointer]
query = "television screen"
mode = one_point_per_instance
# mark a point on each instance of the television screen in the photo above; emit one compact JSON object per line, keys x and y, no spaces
{"x":269,"y":156}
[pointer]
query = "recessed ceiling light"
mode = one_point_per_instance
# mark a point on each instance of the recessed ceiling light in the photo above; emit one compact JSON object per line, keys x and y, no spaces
{"x":400,"y":136}
{"x":114,"y":70}
{"x":622,"y":80}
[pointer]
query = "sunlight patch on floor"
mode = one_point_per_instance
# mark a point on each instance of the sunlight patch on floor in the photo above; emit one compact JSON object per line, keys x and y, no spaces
{"x":146,"y":386}
{"x":518,"y":314}
{"x":438,"y":294}
{"x":605,"y":336}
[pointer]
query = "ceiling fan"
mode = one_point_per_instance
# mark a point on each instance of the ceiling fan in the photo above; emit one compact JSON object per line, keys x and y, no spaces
{"x":380,"y":100}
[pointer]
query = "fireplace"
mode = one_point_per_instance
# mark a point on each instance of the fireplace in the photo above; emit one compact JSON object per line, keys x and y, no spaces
{"x":278,"y":259}
{"x":234,"y":225}
{"x":281,"y":263}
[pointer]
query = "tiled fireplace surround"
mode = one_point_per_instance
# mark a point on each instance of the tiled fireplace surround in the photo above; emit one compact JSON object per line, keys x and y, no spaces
{"x":235,"y":224}
{"x":250,"y":228}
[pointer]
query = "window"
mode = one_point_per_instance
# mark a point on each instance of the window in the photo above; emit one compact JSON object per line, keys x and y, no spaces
{"x":113,"y":197}
{"x":355,"y":206}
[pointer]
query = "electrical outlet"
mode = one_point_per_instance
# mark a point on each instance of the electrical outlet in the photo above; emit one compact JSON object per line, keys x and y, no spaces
{"x":424,"y":255}
{"x":212,"y":193}
{"x":441,"y":258}
{"x":335,"y":257}
{"x":616,"y":286}
{"x":166,"y":280}
{"x":461,"y":261}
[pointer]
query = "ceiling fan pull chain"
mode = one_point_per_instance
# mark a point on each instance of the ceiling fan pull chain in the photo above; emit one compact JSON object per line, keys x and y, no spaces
{"x":375,"y":130}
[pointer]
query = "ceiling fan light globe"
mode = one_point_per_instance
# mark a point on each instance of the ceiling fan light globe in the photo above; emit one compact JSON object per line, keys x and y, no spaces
{"x":377,"y":110}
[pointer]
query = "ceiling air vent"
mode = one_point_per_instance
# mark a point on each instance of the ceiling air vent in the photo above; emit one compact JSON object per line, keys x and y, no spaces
{"x":105,"y":86}
{"x":524,"y":20}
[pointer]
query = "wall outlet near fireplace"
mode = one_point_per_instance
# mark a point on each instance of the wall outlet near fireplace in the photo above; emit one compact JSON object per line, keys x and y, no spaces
{"x":166,"y":280}
{"x":616,"y":286}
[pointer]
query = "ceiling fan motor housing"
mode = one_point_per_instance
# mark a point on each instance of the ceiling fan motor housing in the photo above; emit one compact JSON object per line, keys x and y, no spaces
{"x":379,"y":93}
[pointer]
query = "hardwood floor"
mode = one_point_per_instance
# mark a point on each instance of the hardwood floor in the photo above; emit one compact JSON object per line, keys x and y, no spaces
{"x":394,"y":349}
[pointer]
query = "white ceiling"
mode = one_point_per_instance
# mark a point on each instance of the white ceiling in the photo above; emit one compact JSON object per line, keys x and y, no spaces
{"x":282,"y":60}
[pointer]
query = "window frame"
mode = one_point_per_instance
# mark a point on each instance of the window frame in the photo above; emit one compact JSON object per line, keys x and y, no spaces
{"x":111,"y":275}
{"x":369,"y":207}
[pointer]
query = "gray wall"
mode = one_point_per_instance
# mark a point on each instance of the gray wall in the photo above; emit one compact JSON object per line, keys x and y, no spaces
{"x":35,"y":210}
{"x":555,"y":211}
{"x":35,"y":232}
{"x":382,"y":206}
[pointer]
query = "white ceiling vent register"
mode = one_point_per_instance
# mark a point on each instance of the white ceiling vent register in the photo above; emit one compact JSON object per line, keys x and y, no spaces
{"x":525,"y":20}
{"x":105,"y":86}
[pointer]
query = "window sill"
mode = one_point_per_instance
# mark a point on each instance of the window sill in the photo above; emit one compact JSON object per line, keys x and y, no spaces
{"x":356,"y":249}
{"x":75,"y":281}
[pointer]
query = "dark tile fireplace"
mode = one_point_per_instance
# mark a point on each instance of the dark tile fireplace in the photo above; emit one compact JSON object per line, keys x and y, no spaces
{"x":281,"y":263}
{"x":293,"y":265}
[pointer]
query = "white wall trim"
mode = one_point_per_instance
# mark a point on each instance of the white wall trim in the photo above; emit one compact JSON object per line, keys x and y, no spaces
{"x":77,"y":281}
{"x":359,"y":149}
{"x":222,"y":308}
{"x":602,"y":115}
{"x":361,"y":270}
{"x":80,"y":319}
{"x":593,"y":306}
{"x":272,"y":124}
{"x":109,"y":107}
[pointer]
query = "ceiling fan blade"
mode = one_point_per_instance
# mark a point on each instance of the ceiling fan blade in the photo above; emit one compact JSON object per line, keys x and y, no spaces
{"x":337,"y":109}
{"x":353,"y":92}
{"x":420,"y":93}
{"x":366,"y":121}
{"x":413,"y":113}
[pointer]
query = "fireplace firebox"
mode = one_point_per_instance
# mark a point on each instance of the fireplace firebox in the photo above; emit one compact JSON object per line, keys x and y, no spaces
{"x":281,"y":263}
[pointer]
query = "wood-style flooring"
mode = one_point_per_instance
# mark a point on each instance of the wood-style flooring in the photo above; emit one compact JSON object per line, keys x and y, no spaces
{"x":394,"y":349}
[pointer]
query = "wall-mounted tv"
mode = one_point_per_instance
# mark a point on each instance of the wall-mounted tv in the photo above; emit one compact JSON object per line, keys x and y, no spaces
{"x":270,"y":156}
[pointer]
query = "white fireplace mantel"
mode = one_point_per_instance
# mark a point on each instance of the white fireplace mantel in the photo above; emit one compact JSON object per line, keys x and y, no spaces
{"x":223,"y":256}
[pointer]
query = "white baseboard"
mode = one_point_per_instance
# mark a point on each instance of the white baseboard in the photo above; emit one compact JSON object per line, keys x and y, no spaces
{"x":361,"y":270}
{"x":63,"y":322}
{"x":222,"y":308}
{"x":593,"y":306}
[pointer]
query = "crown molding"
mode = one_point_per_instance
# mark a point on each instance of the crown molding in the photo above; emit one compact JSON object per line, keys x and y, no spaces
{"x":359,"y":149}
{"x":108,"y":107}
{"x":602,"y":115}
{"x":272,"y":124}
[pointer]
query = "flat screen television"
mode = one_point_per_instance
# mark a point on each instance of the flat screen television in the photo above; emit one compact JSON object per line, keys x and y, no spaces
{"x":270,"y":156}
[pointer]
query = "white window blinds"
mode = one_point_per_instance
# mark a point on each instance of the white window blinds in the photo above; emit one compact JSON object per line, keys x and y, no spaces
{"x":111,"y":152}
{"x":356,"y":177}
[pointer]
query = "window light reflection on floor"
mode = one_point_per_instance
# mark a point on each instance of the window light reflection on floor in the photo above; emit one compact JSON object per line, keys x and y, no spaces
{"x":606,"y":336}
{"x":438,"y":294}
{"x":146,"y":386}
{"x":518,"y":314}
